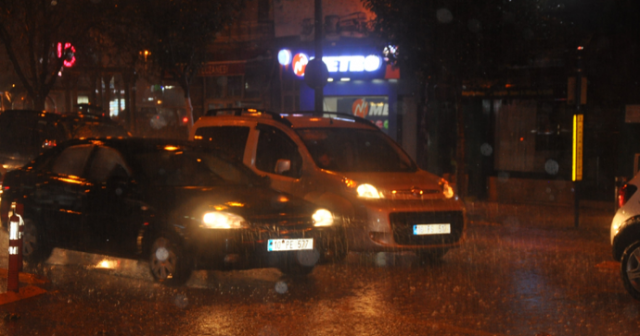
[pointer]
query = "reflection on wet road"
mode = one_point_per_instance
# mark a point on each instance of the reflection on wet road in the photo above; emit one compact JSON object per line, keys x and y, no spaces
{"x":503,"y":281}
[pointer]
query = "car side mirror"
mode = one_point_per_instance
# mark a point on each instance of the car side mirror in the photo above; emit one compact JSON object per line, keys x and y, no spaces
{"x":282,"y":165}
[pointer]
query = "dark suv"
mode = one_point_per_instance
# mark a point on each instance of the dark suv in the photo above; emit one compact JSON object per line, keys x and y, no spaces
{"x":25,"y":133}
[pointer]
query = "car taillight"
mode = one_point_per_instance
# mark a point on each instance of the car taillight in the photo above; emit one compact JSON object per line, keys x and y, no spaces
{"x":625,"y":193}
{"x":185,"y":120}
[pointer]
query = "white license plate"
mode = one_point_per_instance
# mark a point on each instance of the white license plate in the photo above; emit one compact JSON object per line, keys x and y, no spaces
{"x":290,"y":244}
{"x":431,"y":229}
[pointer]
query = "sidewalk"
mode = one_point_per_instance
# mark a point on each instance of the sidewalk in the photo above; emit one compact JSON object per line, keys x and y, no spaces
{"x":592,"y":215}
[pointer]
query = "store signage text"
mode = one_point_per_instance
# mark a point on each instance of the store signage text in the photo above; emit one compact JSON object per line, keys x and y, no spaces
{"x":339,"y":64}
{"x":363,"y":108}
{"x":222,"y":69}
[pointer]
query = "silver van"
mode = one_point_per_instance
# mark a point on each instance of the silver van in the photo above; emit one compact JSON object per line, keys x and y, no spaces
{"x":347,"y":165}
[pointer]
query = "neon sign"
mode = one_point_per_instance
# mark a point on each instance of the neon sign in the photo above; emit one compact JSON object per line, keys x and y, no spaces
{"x":363,"y":108}
{"x":284,"y":57}
{"x":299,"y":64}
{"x":352,"y":63}
{"x":68,"y":62}
{"x":339,"y":64}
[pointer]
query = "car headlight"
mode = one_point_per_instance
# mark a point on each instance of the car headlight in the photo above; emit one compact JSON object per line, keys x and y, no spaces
{"x":322,"y":217}
{"x":447,"y":191}
{"x":368,"y":191}
{"x":222,"y":220}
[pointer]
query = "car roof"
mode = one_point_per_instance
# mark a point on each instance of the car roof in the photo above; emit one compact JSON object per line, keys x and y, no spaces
{"x":131,"y":142}
{"x":298,"y":119}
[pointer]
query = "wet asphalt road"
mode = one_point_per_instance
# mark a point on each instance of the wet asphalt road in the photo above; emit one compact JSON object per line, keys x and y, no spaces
{"x":520,"y":272}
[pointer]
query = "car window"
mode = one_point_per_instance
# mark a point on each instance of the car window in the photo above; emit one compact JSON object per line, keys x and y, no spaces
{"x":191,"y":168}
{"x":72,"y":160}
{"x":274,"y":145}
{"x":229,"y":139}
{"x":354,"y":150}
{"x":105,"y":163}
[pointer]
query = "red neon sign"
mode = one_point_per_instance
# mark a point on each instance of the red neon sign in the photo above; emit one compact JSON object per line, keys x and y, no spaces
{"x":300,"y":64}
{"x":67,"y":62}
{"x":360,"y":108}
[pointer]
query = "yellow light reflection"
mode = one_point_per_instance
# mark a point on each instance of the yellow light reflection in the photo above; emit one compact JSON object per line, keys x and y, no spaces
{"x":70,"y":179}
{"x":171,"y":148}
{"x":107,"y":264}
{"x":235,"y":204}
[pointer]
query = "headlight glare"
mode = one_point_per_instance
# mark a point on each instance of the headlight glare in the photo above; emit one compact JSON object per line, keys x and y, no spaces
{"x":447,"y":191}
{"x":322,"y":217}
{"x":368,"y":191}
{"x":222,"y":220}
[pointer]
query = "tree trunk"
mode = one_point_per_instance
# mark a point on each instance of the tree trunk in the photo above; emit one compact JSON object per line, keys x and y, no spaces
{"x":39,"y":102}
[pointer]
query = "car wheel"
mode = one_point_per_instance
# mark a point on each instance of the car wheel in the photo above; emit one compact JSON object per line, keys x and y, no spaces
{"x":300,"y":263}
{"x":631,"y":269}
{"x":431,"y":257}
{"x":168,"y":261}
{"x":35,"y":247}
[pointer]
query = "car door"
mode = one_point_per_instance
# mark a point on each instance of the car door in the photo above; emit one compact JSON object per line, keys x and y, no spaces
{"x":60,"y":194}
{"x":113,"y":210}
{"x":274,"y":148}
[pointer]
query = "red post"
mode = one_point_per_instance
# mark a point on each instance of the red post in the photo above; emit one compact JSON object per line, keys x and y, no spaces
{"x":13,"y":283}
{"x":20,"y":213}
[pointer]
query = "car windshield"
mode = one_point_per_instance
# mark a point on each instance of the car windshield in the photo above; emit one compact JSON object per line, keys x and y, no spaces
{"x":355,"y":150}
{"x":191,"y":168}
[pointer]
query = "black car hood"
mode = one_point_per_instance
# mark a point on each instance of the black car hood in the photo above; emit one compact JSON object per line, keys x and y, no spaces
{"x":253,"y":203}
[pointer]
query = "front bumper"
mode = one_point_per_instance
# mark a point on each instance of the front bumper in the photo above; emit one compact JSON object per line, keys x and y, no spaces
{"x":238,"y":249}
{"x":387,"y":226}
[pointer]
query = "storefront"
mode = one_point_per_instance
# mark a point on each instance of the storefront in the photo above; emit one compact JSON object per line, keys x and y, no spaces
{"x":360,"y":82}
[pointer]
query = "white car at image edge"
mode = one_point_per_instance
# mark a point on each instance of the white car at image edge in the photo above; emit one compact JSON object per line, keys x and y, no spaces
{"x":625,"y":235}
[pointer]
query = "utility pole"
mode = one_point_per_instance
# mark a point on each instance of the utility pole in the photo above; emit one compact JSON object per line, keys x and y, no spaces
{"x":578,"y":126}
{"x":319,"y":90}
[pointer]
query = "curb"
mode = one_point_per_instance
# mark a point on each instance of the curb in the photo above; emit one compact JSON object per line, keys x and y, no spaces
{"x":23,"y":292}
{"x":27,"y":278}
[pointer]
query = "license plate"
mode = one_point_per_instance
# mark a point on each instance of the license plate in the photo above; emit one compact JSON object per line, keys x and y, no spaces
{"x":290,"y":244}
{"x":431,"y":229}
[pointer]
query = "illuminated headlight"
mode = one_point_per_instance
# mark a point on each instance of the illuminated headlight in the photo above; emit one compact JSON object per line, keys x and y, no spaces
{"x":447,"y":191}
{"x":368,"y":191}
{"x":322,"y":217}
{"x":222,"y":220}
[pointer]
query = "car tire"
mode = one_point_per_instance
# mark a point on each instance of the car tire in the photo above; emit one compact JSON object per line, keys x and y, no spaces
{"x":36,"y":248}
{"x":431,"y":257}
{"x":300,"y":263}
{"x":630,"y":269}
{"x":168,"y":261}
